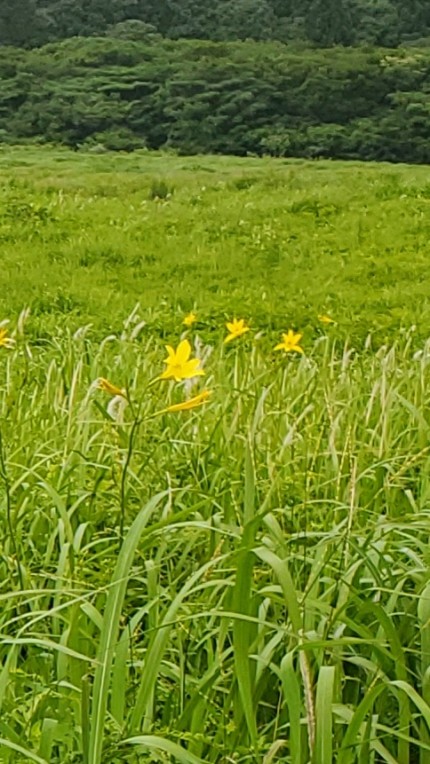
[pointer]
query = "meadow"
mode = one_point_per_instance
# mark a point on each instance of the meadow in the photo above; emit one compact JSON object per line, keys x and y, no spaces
{"x":85,"y":237}
{"x":227,"y":566}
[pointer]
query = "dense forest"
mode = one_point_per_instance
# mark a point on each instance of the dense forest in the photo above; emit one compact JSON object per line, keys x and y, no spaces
{"x":309,"y":78}
{"x":32,"y":23}
{"x":233,"y":98}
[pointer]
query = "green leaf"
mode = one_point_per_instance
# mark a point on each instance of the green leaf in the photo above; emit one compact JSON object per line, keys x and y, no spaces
{"x":23,"y":751}
{"x":323,"y":753}
{"x":109,"y":632}
{"x":155,"y":743}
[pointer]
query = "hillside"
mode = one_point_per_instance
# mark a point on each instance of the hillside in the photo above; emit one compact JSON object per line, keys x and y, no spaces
{"x":230,"y":98}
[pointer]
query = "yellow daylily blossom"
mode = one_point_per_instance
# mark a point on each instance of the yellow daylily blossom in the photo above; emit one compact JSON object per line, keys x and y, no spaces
{"x":191,"y":403}
{"x":236,"y":328}
{"x":5,"y":340}
{"x":108,"y":387}
{"x":179,"y":365}
{"x":190,"y":319}
{"x":326,"y":319}
{"x":290,"y":341}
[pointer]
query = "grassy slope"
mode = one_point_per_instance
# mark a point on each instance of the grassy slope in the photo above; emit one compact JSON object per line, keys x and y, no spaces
{"x":275,"y":599}
{"x":276,"y":240}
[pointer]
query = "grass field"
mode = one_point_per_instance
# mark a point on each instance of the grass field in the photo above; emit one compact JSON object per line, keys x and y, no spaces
{"x":85,"y":237}
{"x":228,"y":567}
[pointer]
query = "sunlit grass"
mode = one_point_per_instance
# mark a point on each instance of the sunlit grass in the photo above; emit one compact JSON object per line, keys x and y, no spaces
{"x":278,"y":242}
{"x":244,"y":581}
{"x":232,"y":567}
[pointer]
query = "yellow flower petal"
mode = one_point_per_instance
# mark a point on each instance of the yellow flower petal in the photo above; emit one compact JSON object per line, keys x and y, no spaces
{"x":183,"y":352}
{"x":170,"y":352}
{"x":191,"y":403}
{"x":192,"y":368}
{"x":229,"y":338}
{"x":190,"y":319}
{"x":326,"y":319}
{"x":109,"y":388}
{"x":290,"y":342}
{"x":236,"y":328}
{"x":5,"y":340}
{"x":178,"y":364}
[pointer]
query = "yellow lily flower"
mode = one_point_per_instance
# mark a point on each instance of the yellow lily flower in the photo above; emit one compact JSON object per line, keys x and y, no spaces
{"x":190,"y":319}
{"x":290,"y":341}
{"x":236,"y":328}
{"x":5,"y":340}
{"x":179,"y":365}
{"x":326,"y":319}
{"x":108,"y":387}
{"x":191,"y":403}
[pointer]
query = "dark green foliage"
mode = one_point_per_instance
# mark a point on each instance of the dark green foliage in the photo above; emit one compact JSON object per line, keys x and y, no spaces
{"x":323,"y":22}
{"x":133,"y":29}
{"x":205,"y":97}
{"x":330,"y":22}
{"x":19,"y":24}
{"x":160,"y":190}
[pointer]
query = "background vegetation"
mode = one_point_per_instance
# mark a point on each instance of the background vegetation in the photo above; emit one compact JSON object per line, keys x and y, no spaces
{"x":230,"y":98}
{"x":247,"y":581}
{"x":84,"y":237}
{"x":324,"y":22}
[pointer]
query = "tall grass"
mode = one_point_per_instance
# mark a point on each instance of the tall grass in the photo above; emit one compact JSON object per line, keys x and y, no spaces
{"x":244,"y":582}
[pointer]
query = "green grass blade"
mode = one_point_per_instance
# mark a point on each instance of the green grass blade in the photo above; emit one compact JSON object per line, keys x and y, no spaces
{"x":141,"y":715}
{"x":280,"y":568}
{"x":323,"y":753}
{"x":154,"y":744}
{"x":291,"y":691}
{"x":416,"y":699}
{"x":109,"y":632}
{"x":351,"y":742}
{"x":27,"y":755}
{"x":244,"y":632}
{"x":85,"y":718}
{"x":424,"y":621}
{"x":119,"y":678}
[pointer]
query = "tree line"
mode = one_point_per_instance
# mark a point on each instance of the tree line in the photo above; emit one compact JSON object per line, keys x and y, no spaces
{"x":207,"y":97}
{"x":31,"y":23}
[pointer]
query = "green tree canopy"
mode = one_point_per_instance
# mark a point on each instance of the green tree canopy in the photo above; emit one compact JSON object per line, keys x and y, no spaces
{"x":320,"y":22}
